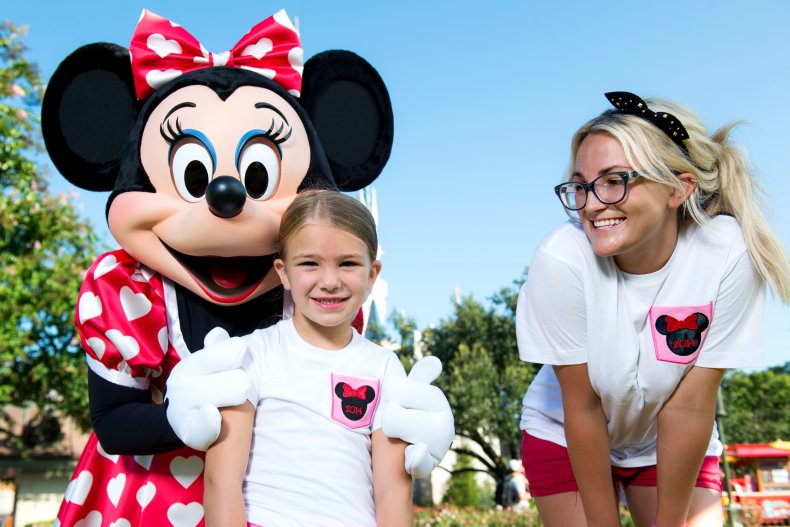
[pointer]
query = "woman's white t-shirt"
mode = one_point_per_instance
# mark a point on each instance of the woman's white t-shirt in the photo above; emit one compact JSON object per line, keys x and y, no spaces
{"x":638,"y":334}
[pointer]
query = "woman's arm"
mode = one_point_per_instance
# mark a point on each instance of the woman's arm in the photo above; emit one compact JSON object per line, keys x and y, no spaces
{"x":684,"y":429}
{"x":391,"y":484}
{"x":226,"y":465}
{"x":588,"y":445}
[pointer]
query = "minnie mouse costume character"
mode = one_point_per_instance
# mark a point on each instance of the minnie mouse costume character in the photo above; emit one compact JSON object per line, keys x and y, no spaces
{"x":203,"y":152}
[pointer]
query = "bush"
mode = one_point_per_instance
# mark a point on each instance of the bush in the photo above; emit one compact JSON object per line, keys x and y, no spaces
{"x":462,"y":489}
{"x":454,"y":516}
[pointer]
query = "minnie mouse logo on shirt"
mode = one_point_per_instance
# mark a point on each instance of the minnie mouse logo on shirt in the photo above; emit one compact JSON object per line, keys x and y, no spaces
{"x":684,"y":336}
{"x":679,"y":331}
{"x":354,"y":400}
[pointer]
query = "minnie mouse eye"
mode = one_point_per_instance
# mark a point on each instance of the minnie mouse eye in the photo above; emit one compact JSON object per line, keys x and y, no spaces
{"x":191,"y":168}
{"x":259,"y":166}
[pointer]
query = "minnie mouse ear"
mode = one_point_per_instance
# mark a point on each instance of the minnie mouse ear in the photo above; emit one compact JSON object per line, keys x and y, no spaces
{"x":88,"y":111}
{"x":350,"y":108}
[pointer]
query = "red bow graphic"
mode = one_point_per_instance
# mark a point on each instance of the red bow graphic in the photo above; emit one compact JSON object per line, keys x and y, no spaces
{"x":359,"y":393}
{"x":162,"y":50}
{"x":690,"y":322}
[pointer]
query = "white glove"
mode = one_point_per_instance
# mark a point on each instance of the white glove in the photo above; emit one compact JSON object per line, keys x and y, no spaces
{"x":203,"y":382}
{"x":419,"y":414}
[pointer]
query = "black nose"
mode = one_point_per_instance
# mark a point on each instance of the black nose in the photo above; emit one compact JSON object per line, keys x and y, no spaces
{"x":225,"y":196}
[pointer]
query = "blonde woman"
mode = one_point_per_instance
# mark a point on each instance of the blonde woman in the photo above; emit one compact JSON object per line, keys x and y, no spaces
{"x":637,"y":307}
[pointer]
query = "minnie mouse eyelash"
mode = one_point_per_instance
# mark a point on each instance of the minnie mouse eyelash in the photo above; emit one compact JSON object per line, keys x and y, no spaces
{"x":172,"y":135}
{"x":276,"y":137}
{"x":175,"y":135}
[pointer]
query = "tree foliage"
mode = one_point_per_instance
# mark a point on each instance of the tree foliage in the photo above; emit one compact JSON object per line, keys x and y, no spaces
{"x":45,"y":247}
{"x":483,"y":378}
{"x":462,"y":489}
{"x":757,"y":405}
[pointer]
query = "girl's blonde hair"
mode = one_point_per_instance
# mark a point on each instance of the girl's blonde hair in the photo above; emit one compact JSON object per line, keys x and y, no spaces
{"x":726,"y":182}
{"x":331,"y":207}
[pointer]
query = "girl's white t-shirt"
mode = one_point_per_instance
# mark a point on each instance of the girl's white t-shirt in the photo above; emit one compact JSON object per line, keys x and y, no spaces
{"x":310,"y":461}
{"x":638,"y":334}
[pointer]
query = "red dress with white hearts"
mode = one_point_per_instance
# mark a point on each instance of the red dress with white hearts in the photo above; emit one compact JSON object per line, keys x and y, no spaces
{"x":122,"y":319}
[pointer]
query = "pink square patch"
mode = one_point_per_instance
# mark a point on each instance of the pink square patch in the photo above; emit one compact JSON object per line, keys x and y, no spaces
{"x":354,"y":400}
{"x":678,"y":332}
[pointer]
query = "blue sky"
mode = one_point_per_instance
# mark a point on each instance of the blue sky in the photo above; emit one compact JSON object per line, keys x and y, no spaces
{"x":485,"y":100}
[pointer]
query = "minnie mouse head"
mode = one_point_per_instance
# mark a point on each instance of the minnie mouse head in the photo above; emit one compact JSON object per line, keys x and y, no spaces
{"x":355,"y":400}
{"x":683,"y":336}
{"x":203,"y":152}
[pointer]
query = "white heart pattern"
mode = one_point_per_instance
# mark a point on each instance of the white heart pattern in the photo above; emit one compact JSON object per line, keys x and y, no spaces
{"x":220,"y":59}
{"x":93,"y":519}
{"x":296,"y":59}
{"x":121,"y":522}
{"x":186,"y":469}
{"x":161,"y":46}
{"x":111,"y":457}
{"x":282,"y":18}
{"x":107,"y":264}
{"x":78,"y":488}
{"x":157,"y":78}
{"x":127,"y":346}
{"x":266,"y":72}
{"x":146,"y":494}
{"x":115,"y":488}
{"x":162,"y":337}
{"x":181,"y":515}
{"x":135,"y":305}
{"x":89,"y":306}
{"x":97,"y":345}
{"x":144,"y":461}
{"x":259,"y":49}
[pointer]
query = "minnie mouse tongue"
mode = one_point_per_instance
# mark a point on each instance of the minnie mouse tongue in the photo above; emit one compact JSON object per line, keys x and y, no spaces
{"x":229,"y":276}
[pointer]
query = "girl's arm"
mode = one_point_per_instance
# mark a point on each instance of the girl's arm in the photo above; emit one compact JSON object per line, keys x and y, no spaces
{"x":588,"y":445}
{"x":684,"y":429}
{"x":391,"y":484}
{"x":226,"y":465}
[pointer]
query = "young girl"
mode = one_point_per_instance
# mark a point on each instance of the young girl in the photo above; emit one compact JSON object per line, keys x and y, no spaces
{"x":636,"y":309}
{"x":307,"y":448}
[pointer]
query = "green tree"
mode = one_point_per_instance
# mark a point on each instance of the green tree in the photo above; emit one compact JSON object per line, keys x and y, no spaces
{"x":406,"y":328}
{"x":462,"y":489}
{"x":483,"y":378}
{"x":45,"y":247}
{"x":757,"y":405}
{"x":376,"y":332}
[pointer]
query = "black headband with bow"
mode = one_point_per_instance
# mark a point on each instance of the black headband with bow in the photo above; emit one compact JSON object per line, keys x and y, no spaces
{"x":631,"y":104}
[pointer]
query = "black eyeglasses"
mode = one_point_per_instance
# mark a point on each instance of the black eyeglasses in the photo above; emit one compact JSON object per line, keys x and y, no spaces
{"x":610,"y":188}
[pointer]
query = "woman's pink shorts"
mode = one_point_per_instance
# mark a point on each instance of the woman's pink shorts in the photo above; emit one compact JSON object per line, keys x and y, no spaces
{"x":548,"y":470}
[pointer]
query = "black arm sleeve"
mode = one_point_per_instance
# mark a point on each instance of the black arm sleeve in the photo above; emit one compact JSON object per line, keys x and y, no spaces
{"x":126,"y":421}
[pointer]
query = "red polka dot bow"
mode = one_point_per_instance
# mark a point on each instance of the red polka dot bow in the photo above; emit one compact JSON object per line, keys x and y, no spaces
{"x":162,"y":50}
